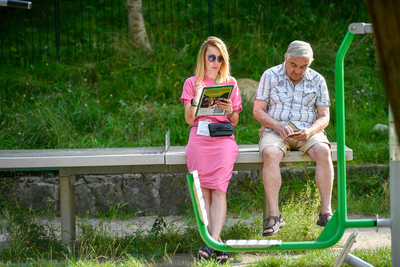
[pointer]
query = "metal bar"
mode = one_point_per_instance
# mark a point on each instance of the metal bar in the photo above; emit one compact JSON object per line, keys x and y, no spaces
{"x":156,"y":23}
{"x":112,"y":16}
{"x":120,"y":19}
{"x":67,"y":207}
{"x":32,"y":31}
{"x":40,"y":38}
{"x":334,"y":237}
{"x":346,"y":249}
{"x":394,"y":189}
{"x":16,"y":4}
{"x":90,"y":25}
{"x":29,"y":169}
{"x":340,"y":128}
{"x":201,"y":16}
{"x":171,"y":19}
{"x":383,"y":223}
{"x":210,"y":17}
{"x":67,"y":21}
{"x":179,"y":19}
{"x":360,"y":28}
{"x":356,"y":262}
{"x":97,"y":22}
{"x":83,"y":34}
{"x":105,"y":23}
{"x":2,"y":38}
{"x":73,"y":12}
{"x":47,"y":32}
{"x":57,"y":25}
{"x":360,"y":223}
{"x":24,"y":19}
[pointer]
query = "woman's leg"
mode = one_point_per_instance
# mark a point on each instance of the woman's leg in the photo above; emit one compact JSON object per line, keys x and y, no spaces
{"x":217,"y":213}
{"x":215,"y":204}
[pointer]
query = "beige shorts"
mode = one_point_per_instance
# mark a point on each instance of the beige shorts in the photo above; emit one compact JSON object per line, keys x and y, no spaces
{"x":289,"y":144}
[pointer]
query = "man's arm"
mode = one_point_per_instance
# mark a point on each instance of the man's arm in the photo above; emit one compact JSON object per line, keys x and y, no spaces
{"x":319,"y":124}
{"x":260,"y":114}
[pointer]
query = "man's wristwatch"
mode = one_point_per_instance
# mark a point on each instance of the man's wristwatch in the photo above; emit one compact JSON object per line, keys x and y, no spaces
{"x":193,"y":103}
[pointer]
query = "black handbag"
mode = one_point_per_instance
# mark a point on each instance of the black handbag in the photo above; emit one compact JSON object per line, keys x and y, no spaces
{"x":220,"y":129}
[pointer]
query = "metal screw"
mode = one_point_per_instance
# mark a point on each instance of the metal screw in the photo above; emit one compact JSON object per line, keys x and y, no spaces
{"x":63,"y":170}
{"x":353,"y":28}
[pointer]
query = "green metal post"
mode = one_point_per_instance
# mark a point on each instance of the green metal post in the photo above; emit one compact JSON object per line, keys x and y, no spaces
{"x":341,"y":138}
{"x":340,"y":126}
{"x":329,"y":237}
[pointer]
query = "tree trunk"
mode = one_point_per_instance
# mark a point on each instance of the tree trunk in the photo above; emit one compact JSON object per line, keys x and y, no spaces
{"x":137,"y":29}
{"x":385,"y":18}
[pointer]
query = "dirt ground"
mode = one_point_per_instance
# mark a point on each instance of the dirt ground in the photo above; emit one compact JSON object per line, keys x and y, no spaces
{"x":366,"y":238}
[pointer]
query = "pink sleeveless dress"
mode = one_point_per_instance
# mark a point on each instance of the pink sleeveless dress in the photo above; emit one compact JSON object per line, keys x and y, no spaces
{"x":212,"y":157}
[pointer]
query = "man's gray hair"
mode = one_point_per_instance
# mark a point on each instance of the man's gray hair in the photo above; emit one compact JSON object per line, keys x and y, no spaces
{"x":300,"y":49}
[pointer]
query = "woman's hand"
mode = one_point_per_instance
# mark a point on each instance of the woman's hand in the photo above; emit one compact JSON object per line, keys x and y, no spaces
{"x":198,"y":89}
{"x":225,"y":104}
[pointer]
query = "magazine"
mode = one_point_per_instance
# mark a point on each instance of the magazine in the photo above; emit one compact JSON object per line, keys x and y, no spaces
{"x":209,"y":99}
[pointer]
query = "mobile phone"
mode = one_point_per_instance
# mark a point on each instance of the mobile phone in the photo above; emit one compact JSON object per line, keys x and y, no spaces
{"x":293,"y":134}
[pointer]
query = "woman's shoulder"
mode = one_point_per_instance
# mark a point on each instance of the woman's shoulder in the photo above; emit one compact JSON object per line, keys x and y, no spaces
{"x":193,"y":78}
{"x":190,"y":80}
{"x":231,"y":79}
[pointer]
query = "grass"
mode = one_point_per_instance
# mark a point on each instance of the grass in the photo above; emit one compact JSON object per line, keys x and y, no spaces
{"x":33,"y":242}
{"x":121,"y":96}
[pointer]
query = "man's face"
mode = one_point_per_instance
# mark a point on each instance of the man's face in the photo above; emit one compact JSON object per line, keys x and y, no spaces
{"x":296,"y":67}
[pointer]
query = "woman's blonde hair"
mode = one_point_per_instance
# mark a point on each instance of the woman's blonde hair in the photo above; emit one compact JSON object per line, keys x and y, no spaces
{"x":225,"y":67}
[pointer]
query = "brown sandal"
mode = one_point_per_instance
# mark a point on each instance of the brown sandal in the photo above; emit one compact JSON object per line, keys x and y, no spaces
{"x":323,"y":219}
{"x":279,"y":223}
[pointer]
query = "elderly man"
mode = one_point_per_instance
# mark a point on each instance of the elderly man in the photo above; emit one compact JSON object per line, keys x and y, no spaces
{"x":292,"y":104}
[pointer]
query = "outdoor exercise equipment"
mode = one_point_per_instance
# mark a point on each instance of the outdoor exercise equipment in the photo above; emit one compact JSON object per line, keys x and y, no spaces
{"x":16,"y":4}
{"x":334,"y":230}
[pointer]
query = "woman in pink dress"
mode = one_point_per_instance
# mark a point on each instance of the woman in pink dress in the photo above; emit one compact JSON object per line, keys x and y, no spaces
{"x":212,"y":157}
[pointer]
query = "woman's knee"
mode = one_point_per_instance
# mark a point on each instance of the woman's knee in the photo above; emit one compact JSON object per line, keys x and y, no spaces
{"x":218,"y":193}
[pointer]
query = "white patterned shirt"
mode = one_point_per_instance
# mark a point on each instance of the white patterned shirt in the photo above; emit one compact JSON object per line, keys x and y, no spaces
{"x":292,"y":104}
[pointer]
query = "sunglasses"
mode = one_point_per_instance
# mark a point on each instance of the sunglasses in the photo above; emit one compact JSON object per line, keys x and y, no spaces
{"x":212,"y":58}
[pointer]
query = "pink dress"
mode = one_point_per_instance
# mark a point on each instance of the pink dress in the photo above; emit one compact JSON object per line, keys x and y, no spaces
{"x":212,"y":157}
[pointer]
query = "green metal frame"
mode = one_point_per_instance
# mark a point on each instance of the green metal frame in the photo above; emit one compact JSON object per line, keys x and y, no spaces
{"x":333,"y":232}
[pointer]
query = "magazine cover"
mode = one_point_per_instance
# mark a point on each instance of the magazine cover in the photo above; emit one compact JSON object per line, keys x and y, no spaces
{"x":209,"y":98}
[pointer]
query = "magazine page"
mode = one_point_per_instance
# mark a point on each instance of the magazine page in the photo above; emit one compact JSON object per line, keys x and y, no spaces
{"x":209,"y":99}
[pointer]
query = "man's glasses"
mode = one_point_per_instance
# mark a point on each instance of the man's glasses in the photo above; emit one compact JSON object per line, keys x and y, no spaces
{"x":212,"y":58}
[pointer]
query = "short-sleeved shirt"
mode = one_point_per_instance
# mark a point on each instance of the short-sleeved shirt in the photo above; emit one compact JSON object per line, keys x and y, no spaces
{"x":292,"y":104}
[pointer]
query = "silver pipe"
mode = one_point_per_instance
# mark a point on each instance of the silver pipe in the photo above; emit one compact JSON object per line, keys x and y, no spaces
{"x":394,"y":150}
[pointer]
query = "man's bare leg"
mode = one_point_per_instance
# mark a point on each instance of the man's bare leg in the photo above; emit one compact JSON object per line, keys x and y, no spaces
{"x":321,"y":154}
{"x":272,"y":180}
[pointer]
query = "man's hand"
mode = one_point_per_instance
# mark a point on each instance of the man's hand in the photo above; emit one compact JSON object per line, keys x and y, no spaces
{"x":283,"y":130}
{"x":302,"y":135}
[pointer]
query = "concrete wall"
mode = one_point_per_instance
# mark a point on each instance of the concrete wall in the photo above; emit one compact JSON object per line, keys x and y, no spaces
{"x":144,"y":193}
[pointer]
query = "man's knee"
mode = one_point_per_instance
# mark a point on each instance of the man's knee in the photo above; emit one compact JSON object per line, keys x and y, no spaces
{"x":320,"y":152}
{"x":272,"y":154}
